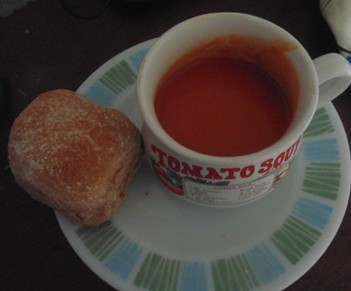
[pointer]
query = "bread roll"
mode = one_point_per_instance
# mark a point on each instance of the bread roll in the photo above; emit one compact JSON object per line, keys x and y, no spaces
{"x":74,"y":156}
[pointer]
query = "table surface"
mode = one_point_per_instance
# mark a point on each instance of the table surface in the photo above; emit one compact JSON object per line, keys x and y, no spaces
{"x":43,"y":47}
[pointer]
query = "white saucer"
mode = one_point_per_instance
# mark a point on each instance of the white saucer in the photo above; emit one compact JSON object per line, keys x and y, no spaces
{"x":157,"y":241}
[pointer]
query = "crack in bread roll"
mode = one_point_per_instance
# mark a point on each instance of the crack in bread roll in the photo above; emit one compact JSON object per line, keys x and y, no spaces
{"x":73,"y":155}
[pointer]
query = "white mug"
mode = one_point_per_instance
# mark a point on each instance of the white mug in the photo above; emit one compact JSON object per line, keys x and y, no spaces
{"x":218,"y":181}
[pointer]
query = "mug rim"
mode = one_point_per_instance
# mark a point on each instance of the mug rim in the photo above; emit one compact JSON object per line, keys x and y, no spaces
{"x":295,"y":130}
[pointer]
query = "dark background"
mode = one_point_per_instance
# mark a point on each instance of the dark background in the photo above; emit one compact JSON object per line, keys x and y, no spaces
{"x":43,"y":47}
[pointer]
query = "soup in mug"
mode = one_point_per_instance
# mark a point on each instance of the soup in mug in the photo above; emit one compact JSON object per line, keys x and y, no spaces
{"x":219,"y":104}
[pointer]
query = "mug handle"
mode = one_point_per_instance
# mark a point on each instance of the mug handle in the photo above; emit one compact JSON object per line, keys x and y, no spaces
{"x":334,"y":76}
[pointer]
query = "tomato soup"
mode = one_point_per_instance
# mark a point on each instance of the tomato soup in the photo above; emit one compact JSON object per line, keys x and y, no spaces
{"x":222,"y":106}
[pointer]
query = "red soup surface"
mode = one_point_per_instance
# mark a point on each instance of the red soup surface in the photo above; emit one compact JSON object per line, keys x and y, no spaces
{"x":222,"y":107}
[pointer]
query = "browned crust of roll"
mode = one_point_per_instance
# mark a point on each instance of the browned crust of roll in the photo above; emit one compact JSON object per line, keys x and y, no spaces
{"x":74,"y":156}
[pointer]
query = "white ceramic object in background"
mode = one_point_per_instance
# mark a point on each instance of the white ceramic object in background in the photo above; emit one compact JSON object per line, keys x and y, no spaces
{"x":337,"y":13}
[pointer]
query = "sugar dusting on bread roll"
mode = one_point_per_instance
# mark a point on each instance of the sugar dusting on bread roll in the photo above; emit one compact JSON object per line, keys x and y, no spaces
{"x":74,"y":156}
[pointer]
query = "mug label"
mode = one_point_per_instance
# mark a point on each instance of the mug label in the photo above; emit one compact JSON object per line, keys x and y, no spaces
{"x":223,"y":195}
{"x":220,"y":186}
